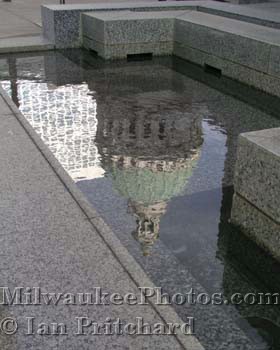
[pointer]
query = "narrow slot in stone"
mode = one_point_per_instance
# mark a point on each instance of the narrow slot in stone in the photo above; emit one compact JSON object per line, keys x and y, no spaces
{"x":140,"y":56}
{"x":93,"y":52}
{"x":212,"y":70}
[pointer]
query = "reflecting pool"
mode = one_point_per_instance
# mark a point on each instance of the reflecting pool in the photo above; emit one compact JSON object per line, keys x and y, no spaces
{"x":152,"y":145}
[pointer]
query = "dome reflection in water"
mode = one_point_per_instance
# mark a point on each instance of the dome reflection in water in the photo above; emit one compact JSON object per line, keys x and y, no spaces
{"x":151,"y":153}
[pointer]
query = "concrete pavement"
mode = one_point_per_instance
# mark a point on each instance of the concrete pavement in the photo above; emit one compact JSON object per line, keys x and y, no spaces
{"x":20,"y":17}
{"x":20,"y":24}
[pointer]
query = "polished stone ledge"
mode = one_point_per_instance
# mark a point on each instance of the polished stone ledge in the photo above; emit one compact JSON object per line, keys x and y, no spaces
{"x":257,"y":172}
{"x":256,"y":205}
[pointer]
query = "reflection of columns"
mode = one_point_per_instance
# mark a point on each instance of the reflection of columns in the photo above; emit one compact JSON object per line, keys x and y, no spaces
{"x":13,"y":77}
{"x":132,"y":132}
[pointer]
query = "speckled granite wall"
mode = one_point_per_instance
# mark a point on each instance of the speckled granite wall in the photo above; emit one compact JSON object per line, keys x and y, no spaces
{"x":242,"y":51}
{"x":256,"y":204}
{"x":117,"y":34}
{"x":61,"y":23}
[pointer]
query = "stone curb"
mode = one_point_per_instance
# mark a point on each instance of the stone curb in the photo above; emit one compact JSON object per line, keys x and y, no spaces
{"x":19,"y":44}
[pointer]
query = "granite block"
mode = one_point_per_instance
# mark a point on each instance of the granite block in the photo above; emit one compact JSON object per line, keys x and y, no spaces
{"x":95,"y":46}
{"x":257,"y":171}
{"x":256,"y":225}
{"x":92,"y":28}
{"x":48,"y":28}
{"x":242,"y":13}
{"x":117,"y":34}
{"x":251,"y":77}
{"x":67,"y":29}
{"x":233,"y":26}
{"x":241,"y":50}
{"x":61,"y":23}
{"x":139,"y":31}
{"x":207,"y":34}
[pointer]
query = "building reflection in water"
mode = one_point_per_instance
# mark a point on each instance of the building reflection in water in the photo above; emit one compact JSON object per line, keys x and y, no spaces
{"x":149,"y":143}
{"x":149,"y":139}
{"x":65,"y":119}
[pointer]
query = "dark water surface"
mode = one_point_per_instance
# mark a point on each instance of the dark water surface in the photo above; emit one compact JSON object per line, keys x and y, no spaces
{"x":153,"y":145}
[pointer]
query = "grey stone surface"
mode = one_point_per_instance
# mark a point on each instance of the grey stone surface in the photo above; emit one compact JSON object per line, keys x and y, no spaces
{"x":256,"y":225}
{"x":129,"y":26}
{"x":241,"y":45}
{"x":25,"y":44}
{"x":239,"y":42}
{"x":233,"y":26}
{"x":48,"y":28}
{"x":4,"y":107}
{"x":51,"y":261}
{"x":61,"y":24}
{"x":116,"y":34}
{"x":135,"y":5}
{"x":251,"y":14}
{"x":14,"y":22}
{"x":256,"y":79}
{"x":48,"y":241}
{"x":241,"y":2}
{"x":257,"y":171}
{"x":121,"y":51}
